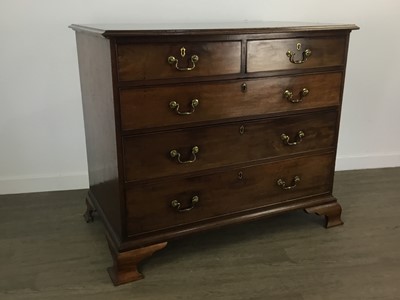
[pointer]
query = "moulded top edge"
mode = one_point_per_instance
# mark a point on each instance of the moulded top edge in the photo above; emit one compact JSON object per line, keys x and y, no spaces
{"x":120,"y":30}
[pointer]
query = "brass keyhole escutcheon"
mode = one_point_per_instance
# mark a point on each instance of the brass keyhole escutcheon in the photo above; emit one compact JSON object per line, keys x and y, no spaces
{"x":298,"y":46}
{"x":241,"y":129}
{"x":183,"y":51}
{"x":240,"y":175}
{"x":244,"y":87}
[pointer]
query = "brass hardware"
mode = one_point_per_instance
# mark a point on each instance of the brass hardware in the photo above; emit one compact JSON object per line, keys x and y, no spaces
{"x":240,"y":175}
{"x":299,"y":138}
{"x":183,"y":51}
{"x":280,"y":182}
{"x":194,"y":59}
{"x":174,"y":153}
{"x":175,"y":105}
{"x":244,"y":87}
{"x":306,"y":54}
{"x":177,"y":205}
{"x":241,"y":129}
{"x":289,"y":95}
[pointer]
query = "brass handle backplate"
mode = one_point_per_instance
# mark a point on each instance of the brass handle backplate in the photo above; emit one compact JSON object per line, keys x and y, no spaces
{"x":173,"y":60}
{"x":175,"y":106}
{"x":177,"y":205}
{"x":174,"y":153}
{"x":299,"y":138}
{"x":280,"y":182}
{"x":289,"y":95}
{"x":305,"y":55}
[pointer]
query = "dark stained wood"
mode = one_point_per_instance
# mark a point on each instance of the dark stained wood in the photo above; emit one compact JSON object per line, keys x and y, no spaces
{"x":243,"y":166}
{"x":98,"y":109}
{"x":148,"y":156}
{"x":331,"y":211}
{"x":125,"y":267}
{"x":224,"y":100}
{"x":170,"y":233}
{"x":270,"y":55}
{"x":150,"y":61}
{"x":149,"y":205}
{"x":209,"y":28}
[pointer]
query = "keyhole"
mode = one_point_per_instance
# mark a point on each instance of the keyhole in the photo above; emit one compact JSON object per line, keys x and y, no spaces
{"x":183,"y":51}
{"x":244,"y":88}
{"x":298,"y":46}
{"x":241,"y":129}
{"x":240,"y":175}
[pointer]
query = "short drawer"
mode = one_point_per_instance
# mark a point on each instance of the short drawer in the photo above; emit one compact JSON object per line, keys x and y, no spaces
{"x":194,"y":149}
{"x":191,"y":103}
{"x":285,"y":54}
{"x":183,"y":201}
{"x":177,"y":60}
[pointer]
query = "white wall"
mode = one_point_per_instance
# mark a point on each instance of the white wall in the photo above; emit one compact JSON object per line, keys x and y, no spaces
{"x":41,"y":126}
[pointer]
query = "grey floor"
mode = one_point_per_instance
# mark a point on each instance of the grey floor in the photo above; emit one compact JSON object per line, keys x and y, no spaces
{"x":47,"y":251}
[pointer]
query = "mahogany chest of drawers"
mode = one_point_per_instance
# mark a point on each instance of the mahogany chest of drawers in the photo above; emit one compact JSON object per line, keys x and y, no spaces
{"x":189,"y":128}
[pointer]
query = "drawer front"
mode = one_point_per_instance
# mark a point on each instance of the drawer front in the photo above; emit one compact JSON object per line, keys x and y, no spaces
{"x":155,"y":60}
{"x":150,"y":207}
{"x":184,"y":104}
{"x":174,"y":152}
{"x":272,"y":55}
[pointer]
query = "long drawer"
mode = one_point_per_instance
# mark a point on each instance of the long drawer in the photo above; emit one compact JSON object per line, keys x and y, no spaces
{"x":177,"y":60}
{"x":184,"y":151}
{"x":182,"y":201}
{"x":302,"y":53}
{"x":201,"y":102}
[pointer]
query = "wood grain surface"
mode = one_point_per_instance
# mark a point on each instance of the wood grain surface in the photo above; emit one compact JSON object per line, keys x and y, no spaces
{"x":148,"y":156}
{"x":222,"y":100}
{"x":150,"y":61}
